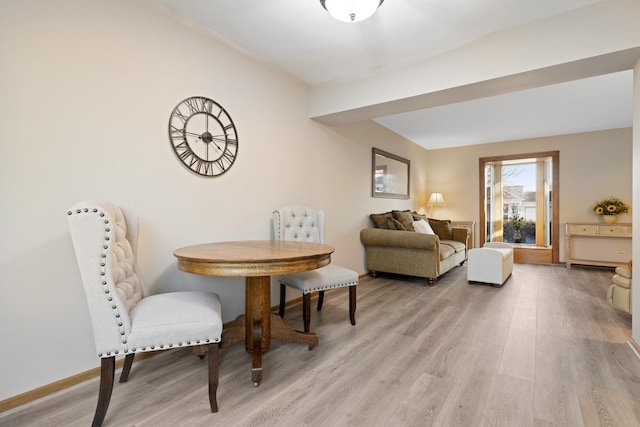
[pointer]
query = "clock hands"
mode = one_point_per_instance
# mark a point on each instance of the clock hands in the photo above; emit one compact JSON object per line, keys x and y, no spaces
{"x":218,"y":140}
{"x":207,"y":137}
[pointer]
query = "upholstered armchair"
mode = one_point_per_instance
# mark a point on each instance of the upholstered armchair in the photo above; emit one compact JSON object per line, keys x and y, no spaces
{"x":619,"y":293}
{"x":301,"y":223}
{"x":126,"y":320}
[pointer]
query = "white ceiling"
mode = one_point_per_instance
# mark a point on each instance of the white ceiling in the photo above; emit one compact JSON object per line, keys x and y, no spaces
{"x":299,"y":37}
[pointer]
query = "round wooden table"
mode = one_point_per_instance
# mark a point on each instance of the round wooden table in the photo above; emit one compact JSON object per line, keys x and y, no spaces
{"x":257,"y":261}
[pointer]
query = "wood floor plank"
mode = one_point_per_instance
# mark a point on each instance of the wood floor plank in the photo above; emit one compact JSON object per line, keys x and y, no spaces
{"x":601,"y":407}
{"x":518,"y":356}
{"x":544,"y":350}
{"x":510,"y":399}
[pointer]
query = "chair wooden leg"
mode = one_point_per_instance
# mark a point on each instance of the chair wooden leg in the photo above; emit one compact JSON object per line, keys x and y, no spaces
{"x":126,"y":368}
{"x":320,"y":299}
{"x":283,"y":297}
{"x":306,"y":311}
{"x":214,"y":372}
{"x":352,"y":304}
{"x":107,"y":371}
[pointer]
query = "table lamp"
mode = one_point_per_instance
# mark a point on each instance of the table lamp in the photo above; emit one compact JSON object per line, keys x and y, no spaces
{"x":436,"y":199}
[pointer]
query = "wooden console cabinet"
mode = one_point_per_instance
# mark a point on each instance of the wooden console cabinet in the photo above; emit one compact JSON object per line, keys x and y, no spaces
{"x":598,"y":244}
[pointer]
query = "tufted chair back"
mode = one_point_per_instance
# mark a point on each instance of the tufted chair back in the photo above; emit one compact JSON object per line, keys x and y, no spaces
{"x":125,"y":320}
{"x":105,"y":240}
{"x":305,"y":224}
{"x":298,"y":223}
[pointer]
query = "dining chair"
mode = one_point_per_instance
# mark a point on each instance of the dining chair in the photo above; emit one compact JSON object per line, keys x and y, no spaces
{"x":125,"y":320}
{"x":305,"y":224}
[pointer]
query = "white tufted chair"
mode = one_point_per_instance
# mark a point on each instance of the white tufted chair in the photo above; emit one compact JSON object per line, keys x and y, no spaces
{"x":301,"y":223}
{"x":125,"y":321}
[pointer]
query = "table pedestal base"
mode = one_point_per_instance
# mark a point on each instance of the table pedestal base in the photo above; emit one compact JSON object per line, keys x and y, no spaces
{"x":285,"y":333}
{"x":236,"y":332}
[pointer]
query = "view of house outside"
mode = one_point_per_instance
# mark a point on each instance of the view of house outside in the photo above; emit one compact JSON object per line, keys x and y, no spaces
{"x":519,"y":203}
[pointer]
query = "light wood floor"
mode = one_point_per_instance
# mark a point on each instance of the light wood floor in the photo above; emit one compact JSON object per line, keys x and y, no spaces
{"x":546,"y":349}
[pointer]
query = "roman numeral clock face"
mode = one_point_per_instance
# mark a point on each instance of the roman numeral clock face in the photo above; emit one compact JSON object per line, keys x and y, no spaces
{"x":203,"y":136}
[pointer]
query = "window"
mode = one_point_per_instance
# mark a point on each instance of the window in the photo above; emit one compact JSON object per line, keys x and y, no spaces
{"x":519,"y":200}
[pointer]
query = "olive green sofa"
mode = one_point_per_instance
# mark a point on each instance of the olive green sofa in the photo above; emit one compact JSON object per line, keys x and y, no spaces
{"x":393,"y":245}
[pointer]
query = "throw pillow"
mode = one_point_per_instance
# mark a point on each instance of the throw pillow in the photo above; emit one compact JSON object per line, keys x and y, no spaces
{"x":394,"y":224}
{"x":418,"y":217}
{"x":381,"y":220}
{"x":422,"y":226}
{"x":442,"y":228}
{"x":405,"y":218}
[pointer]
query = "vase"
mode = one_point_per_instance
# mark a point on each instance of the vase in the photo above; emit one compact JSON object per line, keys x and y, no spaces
{"x":610,"y":219}
{"x":517,"y":237}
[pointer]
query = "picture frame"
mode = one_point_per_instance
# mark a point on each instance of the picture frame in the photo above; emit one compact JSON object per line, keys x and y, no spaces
{"x":389,"y":175}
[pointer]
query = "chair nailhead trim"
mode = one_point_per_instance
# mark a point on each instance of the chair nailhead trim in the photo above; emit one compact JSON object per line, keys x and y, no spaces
{"x":104,"y":256}
{"x":103,"y":273}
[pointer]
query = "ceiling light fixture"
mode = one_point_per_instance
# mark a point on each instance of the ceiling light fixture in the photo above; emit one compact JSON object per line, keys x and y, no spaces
{"x":351,"y":10}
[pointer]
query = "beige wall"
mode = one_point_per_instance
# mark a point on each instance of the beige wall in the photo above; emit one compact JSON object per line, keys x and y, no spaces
{"x":87,"y":88}
{"x":593,"y":166}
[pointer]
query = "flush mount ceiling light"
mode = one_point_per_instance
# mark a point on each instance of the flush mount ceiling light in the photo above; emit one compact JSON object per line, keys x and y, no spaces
{"x":351,"y":10}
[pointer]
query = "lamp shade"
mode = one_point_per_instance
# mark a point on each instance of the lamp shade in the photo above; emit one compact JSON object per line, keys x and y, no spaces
{"x":351,"y":10}
{"x":436,"y":199}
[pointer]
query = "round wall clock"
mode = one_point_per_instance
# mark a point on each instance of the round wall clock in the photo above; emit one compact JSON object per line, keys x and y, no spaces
{"x":203,"y":136}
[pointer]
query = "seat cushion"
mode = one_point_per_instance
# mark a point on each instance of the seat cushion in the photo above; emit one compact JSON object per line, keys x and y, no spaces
{"x":621,"y":281}
{"x":328,"y":277}
{"x":457,"y":246}
{"x":446,"y":251}
{"x":624,"y":271}
{"x":175,"y":319}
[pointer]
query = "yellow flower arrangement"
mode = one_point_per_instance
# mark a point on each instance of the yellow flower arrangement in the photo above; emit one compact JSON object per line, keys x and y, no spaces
{"x":611,"y":206}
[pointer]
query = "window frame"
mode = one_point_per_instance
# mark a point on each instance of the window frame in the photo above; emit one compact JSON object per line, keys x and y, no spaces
{"x":555,"y":194}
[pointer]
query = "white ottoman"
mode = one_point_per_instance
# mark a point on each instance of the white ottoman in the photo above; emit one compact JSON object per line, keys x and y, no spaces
{"x":492,"y":263}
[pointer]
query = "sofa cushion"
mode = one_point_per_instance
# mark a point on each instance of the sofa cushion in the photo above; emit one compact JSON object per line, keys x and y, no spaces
{"x":621,"y":281}
{"x":405,"y":218}
{"x":394,"y":224}
{"x":422,"y":226}
{"x":623,"y":271}
{"x":442,"y":228}
{"x":453,"y":244}
{"x":387,"y":221}
{"x":446,"y":251}
{"x":381,"y":220}
{"x":418,"y":217}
